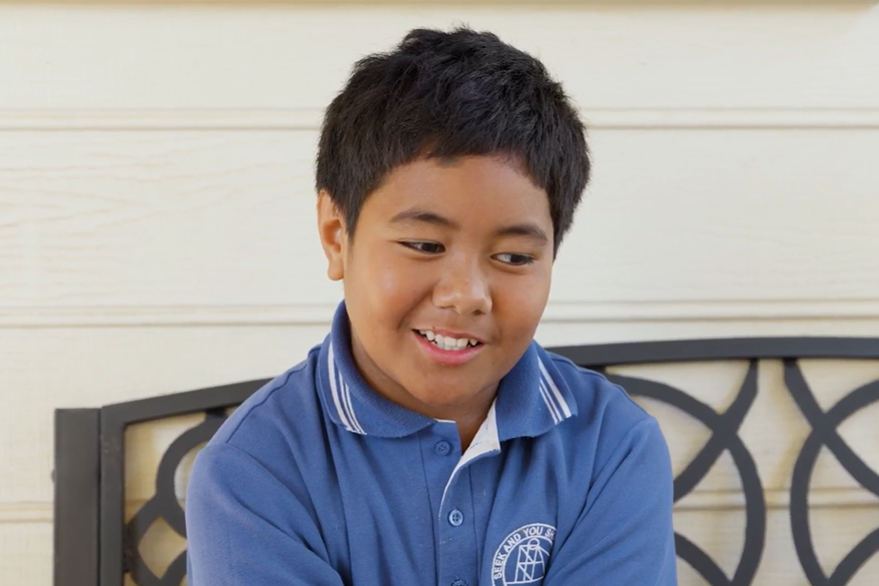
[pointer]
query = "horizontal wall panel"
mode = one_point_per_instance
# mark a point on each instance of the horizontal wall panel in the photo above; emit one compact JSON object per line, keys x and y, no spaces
{"x":46,"y":368}
{"x":723,"y":55}
{"x":178,"y":223}
{"x":26,"y":513}
{"x":26,"y":554}
{"x":158,"y":219}
{"x":722,"y":216}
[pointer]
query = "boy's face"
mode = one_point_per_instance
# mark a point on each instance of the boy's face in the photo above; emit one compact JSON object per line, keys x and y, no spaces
{"x":460,"y":249}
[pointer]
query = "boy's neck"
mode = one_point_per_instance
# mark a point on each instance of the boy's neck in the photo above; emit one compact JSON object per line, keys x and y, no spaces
{"x":469,"y":418}
{"x":468,"y":427}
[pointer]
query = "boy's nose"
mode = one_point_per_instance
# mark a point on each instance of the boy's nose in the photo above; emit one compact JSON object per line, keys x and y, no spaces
{"x":464,"y":288}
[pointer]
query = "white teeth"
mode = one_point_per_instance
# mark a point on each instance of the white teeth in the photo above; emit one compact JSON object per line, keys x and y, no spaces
{"x":447,"y":342}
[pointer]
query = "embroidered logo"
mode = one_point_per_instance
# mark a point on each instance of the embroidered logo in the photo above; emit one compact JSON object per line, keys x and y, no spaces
{"x":523,"y":556}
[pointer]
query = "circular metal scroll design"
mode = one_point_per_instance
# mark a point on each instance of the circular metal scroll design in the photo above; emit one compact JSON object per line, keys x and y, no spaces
{"x":824,"y":433}
{"x":164,"y":505}
{"x":724,"y":437}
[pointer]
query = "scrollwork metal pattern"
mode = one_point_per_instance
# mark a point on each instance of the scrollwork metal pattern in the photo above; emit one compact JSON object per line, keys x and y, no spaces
{"x":164,"y":505}
{"x":824,"y":434}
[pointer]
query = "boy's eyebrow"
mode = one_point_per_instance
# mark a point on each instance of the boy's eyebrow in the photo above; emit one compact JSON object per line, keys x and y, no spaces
{"x":527,"y":229}
{"x":424,"y":216}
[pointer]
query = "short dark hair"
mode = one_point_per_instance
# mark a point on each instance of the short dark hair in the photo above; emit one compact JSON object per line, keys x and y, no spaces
{"x":450,"y":94}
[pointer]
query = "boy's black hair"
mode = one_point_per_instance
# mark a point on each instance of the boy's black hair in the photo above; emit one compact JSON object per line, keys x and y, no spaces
{"x":449,"y":94}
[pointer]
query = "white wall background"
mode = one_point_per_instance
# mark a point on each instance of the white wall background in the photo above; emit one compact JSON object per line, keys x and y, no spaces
{"x":156,"y":213}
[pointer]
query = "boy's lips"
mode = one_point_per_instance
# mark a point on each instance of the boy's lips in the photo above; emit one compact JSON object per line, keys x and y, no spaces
{"x":445,"y":357}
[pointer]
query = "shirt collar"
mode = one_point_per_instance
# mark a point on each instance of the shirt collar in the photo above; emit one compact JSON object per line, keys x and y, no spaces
{"x":531,"y":400}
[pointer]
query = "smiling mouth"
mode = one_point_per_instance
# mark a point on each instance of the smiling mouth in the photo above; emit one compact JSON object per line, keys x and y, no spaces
{"x":447,"y":342}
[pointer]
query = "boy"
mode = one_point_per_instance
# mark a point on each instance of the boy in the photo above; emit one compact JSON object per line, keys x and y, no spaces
{"x":429,"y":440}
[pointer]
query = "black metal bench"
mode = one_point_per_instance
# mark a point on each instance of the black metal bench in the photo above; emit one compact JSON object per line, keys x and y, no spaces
{"x":94,"y":545}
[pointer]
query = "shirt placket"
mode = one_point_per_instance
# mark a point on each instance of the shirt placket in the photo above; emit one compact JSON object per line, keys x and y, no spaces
{"x":457,"y":552}
{"x":452,"y":503}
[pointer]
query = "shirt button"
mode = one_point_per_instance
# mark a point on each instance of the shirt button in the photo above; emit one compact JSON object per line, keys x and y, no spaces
{"x":442,"y":448}
{"x":456,"y":517}
{"x":459,"y":583}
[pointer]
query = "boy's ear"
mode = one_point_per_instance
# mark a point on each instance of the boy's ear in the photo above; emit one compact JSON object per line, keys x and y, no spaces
{"x":331,"y":228}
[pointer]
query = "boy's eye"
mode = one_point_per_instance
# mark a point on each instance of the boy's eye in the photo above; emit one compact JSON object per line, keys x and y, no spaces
{"x":514,"y":259}
{"x":425,"y":247}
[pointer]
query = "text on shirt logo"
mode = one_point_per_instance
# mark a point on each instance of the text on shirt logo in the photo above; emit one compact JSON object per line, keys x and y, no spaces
{"x":522,"y":557}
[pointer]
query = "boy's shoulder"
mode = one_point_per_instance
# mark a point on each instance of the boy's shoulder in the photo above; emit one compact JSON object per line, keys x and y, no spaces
{"x":592,"y":388}
{"x":604,"y":409}
{"x":288,"y":404}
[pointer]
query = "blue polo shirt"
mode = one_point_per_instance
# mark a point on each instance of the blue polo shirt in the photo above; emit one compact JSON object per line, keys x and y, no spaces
{"x":317,"y":480}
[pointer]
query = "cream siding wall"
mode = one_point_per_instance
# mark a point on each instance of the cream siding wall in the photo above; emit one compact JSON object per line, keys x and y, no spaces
{"x":156,"y":216}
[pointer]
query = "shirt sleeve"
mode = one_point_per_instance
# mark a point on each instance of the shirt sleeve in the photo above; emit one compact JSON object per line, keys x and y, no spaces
{"x":246,"y":528}
{"x":624,"y":537}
